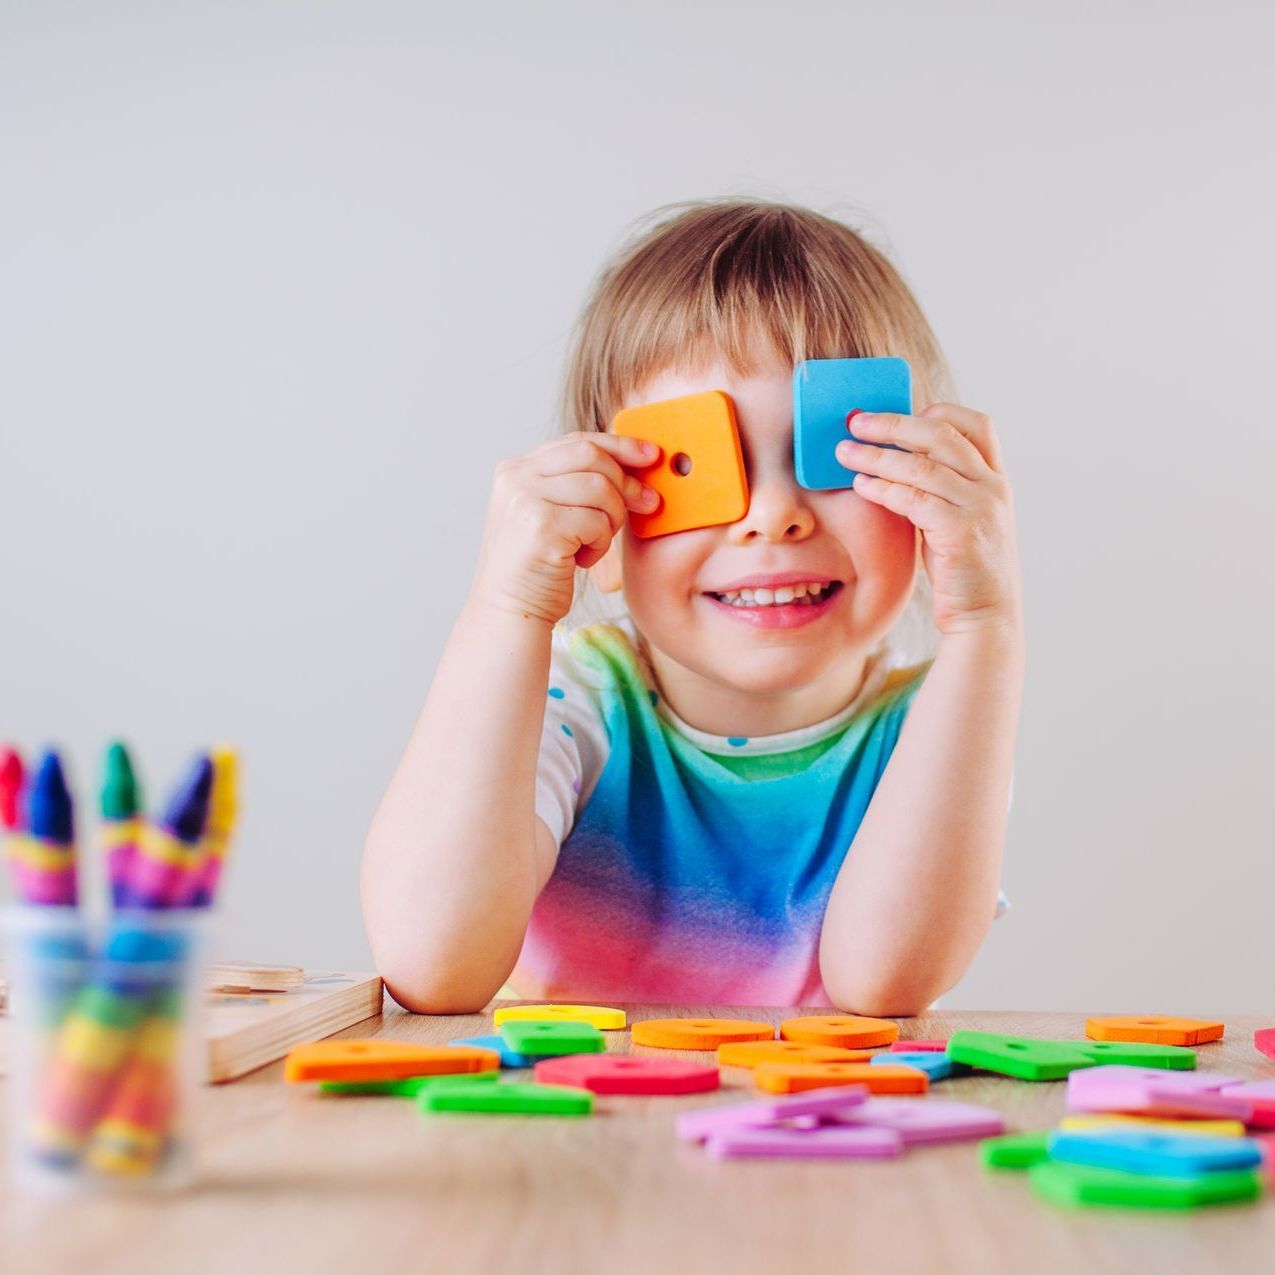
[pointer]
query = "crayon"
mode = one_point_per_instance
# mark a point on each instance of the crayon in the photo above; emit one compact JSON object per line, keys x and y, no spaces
{"x":121,"y":805}
{"x":42,"y":855}
{"x":11,"y":777}
{"x":168,"y":851}
{"x":223,"y":808}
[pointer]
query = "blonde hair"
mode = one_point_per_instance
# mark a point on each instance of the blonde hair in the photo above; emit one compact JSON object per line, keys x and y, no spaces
{"x":720,"y":276}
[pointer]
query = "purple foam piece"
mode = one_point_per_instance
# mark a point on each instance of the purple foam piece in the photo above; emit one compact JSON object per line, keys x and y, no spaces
{"x":928,"y":1120}
{"x":1151,"y":1092}
{"x":1250,"y":1089}
{"x":695,"y":1126}
{"x":838,"y":1142}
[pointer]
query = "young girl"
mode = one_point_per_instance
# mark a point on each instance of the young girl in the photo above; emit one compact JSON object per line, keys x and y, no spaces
{"x":742,"y":790}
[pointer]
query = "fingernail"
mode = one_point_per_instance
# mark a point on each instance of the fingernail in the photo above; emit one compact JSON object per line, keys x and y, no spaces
{"x":649,"y":449}
{"x":648,"y":497}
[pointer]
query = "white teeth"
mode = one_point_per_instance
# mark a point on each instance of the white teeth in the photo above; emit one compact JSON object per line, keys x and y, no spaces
{"x":803,"y":594}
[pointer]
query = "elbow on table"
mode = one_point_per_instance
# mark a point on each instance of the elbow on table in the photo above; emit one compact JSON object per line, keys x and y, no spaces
{"x":879,"y":1000}
{"x":420,"y":993}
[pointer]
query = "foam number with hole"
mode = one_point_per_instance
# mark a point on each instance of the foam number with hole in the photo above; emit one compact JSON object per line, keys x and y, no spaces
{"x":618,"y":1074}
{"x":751,"y":1053}
{"x":824,"y":393}
{"x":381,"y":1060}
{"x":598,"y":1016}
{"x":794,"y":1077}
{"x":697,"y":1033}
{"x":1153,"y":1029}
{"x":700,"y":474}
{"x":849,"y":1031}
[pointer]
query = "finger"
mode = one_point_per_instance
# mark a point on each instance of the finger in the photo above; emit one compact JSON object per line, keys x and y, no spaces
{"x":585,"y":453}
{"x":976,"y":426}
{"x":931,"y":513}
{"x":916,"y":470}
{"x":586,"y":491}
{"x":923,"y":435}
{"x":589,"y":529}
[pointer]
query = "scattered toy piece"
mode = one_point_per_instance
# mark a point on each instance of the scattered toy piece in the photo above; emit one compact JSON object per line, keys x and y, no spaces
{"x":509,"y":1058}
{"x":934,"y":1120}
{"x":408,"y":1088}
{"x":1155,"y":1030}
{"x":794,"y":1077}
{"x":697,"y":1033}
{"x":748,"y":1053}
{"x":619,"y":1074}
{"x":1028,"y":1059}
{"x":1264,"y":1039}
{"x":826,"y":1142}
{"x":695,"y":1126}
{"x":1261,"y":1093}
{"x":381,"y":1060}
{"x":1116,"y":1120}
{"x":598,"y":1016}
{"x":552,"y":1039}
{"x":1085,"y":1184}
{"x":1133,"y":1089}
{"x":919,"y":1047}
{"x":1014,"y":1150}
{"x":1150,"y":1152}
{"x":846,"y":1030}
{"x":936,"y":1066}
{"x":510,"y":1098}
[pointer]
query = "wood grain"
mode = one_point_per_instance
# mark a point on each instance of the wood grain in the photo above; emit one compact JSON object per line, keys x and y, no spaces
{"x":291,"y":1181}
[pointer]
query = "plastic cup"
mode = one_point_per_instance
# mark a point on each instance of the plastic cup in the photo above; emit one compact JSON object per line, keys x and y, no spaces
{"x":106,"y":1047}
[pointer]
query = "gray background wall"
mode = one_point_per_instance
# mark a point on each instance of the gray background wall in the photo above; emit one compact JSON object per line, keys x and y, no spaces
{"x":281,"y":283}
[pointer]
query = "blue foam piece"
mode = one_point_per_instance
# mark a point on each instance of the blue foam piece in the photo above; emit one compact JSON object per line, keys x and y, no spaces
{"x":824,"y":393}
{"x":937,"y":1066}
{"x":1161,"y":1154}
{"x":508,"y":1057}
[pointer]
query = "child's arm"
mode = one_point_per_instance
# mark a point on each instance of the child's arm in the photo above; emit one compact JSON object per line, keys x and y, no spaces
{"x":456,"y":855}
{"x":917,"y":891}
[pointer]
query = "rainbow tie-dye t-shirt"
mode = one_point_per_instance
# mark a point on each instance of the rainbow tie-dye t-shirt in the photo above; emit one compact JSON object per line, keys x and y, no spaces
{"x":693,"y":868}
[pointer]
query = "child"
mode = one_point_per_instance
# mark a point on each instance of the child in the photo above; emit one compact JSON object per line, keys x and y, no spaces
{"x":742,"y":790}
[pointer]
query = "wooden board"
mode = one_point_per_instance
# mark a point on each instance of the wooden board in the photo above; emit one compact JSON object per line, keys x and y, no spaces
{"x":247,"y":1031}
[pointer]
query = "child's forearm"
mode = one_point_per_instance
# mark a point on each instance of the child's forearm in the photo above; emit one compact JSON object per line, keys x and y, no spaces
{"x":917,"y":892}
{"x":451,"y":867}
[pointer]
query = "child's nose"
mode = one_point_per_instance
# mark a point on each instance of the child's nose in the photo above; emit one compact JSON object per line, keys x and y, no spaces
{"x":777,"y":512}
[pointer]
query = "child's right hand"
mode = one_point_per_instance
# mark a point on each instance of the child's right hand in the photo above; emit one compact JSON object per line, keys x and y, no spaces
{"x":553,"y":510}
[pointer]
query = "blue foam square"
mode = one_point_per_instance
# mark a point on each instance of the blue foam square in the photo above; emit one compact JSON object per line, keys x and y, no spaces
{"x":936,"y":1065}
{"x":824,"y":393}
{"x":508,"y":1057}
{"x":1154,"y":1152}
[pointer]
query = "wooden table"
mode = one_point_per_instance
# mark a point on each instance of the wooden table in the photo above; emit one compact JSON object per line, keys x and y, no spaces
{"x":291,"y":1181}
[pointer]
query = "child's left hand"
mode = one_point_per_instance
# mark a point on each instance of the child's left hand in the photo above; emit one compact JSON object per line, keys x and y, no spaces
{"x":951,"y":484}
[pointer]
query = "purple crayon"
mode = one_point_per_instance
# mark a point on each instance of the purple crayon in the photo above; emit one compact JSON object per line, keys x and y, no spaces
{"x":42,"y":854}
{"x":168,"y":851}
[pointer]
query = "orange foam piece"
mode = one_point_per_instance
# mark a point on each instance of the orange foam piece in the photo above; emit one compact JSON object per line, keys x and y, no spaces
{"x":878,"y":1078}
{"x":697,"y":1033}
{"x":751,"y":1053}
{"x":698,"y":433}
{"x":383,"y":1060}
{"x":846,"y":1030}
{"x":1155,"y":1029}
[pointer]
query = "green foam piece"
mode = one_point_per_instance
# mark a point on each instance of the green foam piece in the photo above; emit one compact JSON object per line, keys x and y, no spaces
{"x":1131,"y":1053}
{"x":552,"y":1038}
{"x":1028,"y":1059}
{"x":1014,"y":1150}
{"x":408,"y":1088}
{"x":1074,"y":1184}
{"x":1018,"y":1056}
{"x":515,"y":1098}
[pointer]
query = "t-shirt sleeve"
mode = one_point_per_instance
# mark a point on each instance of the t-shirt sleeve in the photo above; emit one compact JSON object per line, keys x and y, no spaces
{"x":573,"y":741}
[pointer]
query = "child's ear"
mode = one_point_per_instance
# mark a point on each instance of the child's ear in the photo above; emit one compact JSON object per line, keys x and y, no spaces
{"x":608,"y":572}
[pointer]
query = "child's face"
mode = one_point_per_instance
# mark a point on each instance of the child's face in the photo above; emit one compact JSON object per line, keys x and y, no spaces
{"x":864,"y":555}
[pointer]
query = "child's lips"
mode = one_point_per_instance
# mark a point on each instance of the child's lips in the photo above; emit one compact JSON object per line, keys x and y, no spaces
{"x":788,"y":615}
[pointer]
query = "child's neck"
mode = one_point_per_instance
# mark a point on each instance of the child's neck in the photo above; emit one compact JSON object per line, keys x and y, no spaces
{"x":716,"y":709}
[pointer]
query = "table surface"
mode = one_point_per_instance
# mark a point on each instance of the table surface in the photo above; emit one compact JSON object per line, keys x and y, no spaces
{"x":291,"y":1180}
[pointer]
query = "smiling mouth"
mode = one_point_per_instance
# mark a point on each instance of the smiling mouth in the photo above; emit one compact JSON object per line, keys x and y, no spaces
{"x":802,"y":595}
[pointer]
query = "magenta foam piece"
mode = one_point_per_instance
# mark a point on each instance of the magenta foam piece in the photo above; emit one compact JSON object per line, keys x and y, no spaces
{"x":919,"y":1047}
{"x":1261,"y":1093}
{"x":1152,"y":1092}
{"x":929,"y":1120}
{"x":839,"y":1142}
{"x":695,"y":1126}
{"x":1264,"y":1040}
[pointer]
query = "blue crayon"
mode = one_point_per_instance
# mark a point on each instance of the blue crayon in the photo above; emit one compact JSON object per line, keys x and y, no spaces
{"x":42,"y":854}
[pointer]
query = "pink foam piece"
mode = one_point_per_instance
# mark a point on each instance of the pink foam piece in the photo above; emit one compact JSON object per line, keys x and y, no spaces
{"x":1261,"y":1093}
{"x":1149,"y":1091}
{"x":839,"y":1142}
{"x":1264,"y":1039}
{"x":931,"y":1120}
{"x":695,"y":1126}
{"x":919,"y":1047}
